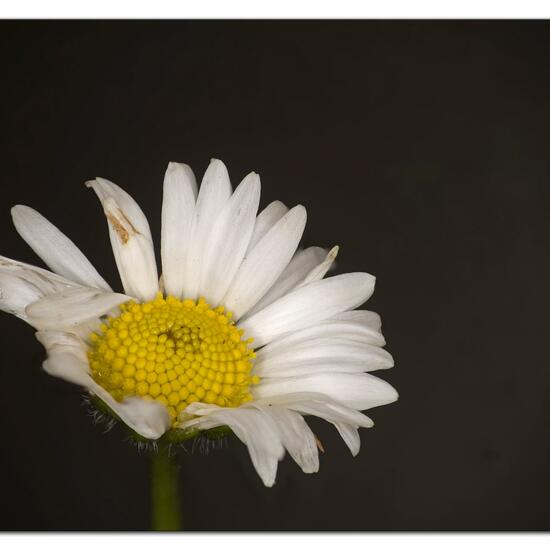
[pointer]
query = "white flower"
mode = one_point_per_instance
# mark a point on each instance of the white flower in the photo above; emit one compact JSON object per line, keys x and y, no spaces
{"x":168,"y":355}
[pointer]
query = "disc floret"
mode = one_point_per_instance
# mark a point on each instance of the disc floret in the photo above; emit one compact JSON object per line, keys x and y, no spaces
{"x":174,"y":351}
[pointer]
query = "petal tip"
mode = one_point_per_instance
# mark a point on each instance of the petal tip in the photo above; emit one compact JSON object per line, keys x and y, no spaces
{"x":174,"y":166}
{"x":300,"y":211}
{"x":393,"y":395}
{"x":17,"y":207}
{"x":18,"y":210}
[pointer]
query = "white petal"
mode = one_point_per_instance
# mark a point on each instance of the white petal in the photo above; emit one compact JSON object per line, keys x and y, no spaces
{"x":72,"y":307}
{"x":263,"y":265}
{"x":178,"y":208}
{"x":293,"y":274}
{"x":16,"y":294}
{"x":364,"y":317}
{"x":349,"y":331}
{"x":266,"y":219}
{"x":188,"y":416}
{"x":57,"y":251}
{"x":256,"y":430}
{"x":318,"y":404}
{"x":22,"y":284}
{"x":229,"y":239}
{"x":67,"y":360}
{"x":321,"y":355}
{"x":320,"y":348}
{"x":66,"y":356}
{"x":296,"y":437}
{"x":345,"y":420}
{"x":107,"y":189}
{"x":67,"y":367}
{"x":351,"y":437}
{"x":214,"y":192}
{"x":319,"y":271}
{"x":130,"y":239}
{"x":43,"y":279}
{"x":308,"y":305}
{"x":147,"y":417}
{"x":84,"y":330}
{"x":358,"y":391}
{"x":56,"y":341}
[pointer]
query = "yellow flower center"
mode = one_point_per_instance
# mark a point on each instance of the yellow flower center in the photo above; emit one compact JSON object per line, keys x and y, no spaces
{"x":174,"y":351}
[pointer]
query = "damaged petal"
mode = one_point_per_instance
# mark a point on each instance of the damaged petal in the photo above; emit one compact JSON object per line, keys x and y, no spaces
{"x":319,"y":271}
{"x":119,"y":221}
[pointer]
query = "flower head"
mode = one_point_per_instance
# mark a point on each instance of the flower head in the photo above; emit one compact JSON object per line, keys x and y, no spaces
{"x":241,"y":330}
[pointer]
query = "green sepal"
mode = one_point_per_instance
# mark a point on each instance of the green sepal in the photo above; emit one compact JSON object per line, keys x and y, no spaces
{"x":102,"y":407}
{"x":219,"y":432}
{"x":175,"y":435}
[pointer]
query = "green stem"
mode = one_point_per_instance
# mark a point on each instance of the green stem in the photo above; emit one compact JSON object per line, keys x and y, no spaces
{"x":165,"y":503}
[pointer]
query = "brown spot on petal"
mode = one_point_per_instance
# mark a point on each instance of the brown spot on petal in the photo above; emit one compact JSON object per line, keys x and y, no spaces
{"x":122,"y":225}
{"x":161,"y":283}
{"x":122,"y":233}
{"x":319,"y":444}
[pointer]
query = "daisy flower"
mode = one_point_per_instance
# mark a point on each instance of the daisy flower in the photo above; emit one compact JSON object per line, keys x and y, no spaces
{"x":241,"y":330}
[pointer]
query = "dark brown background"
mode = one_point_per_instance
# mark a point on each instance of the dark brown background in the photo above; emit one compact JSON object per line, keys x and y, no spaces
{"x":419,"y":147}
